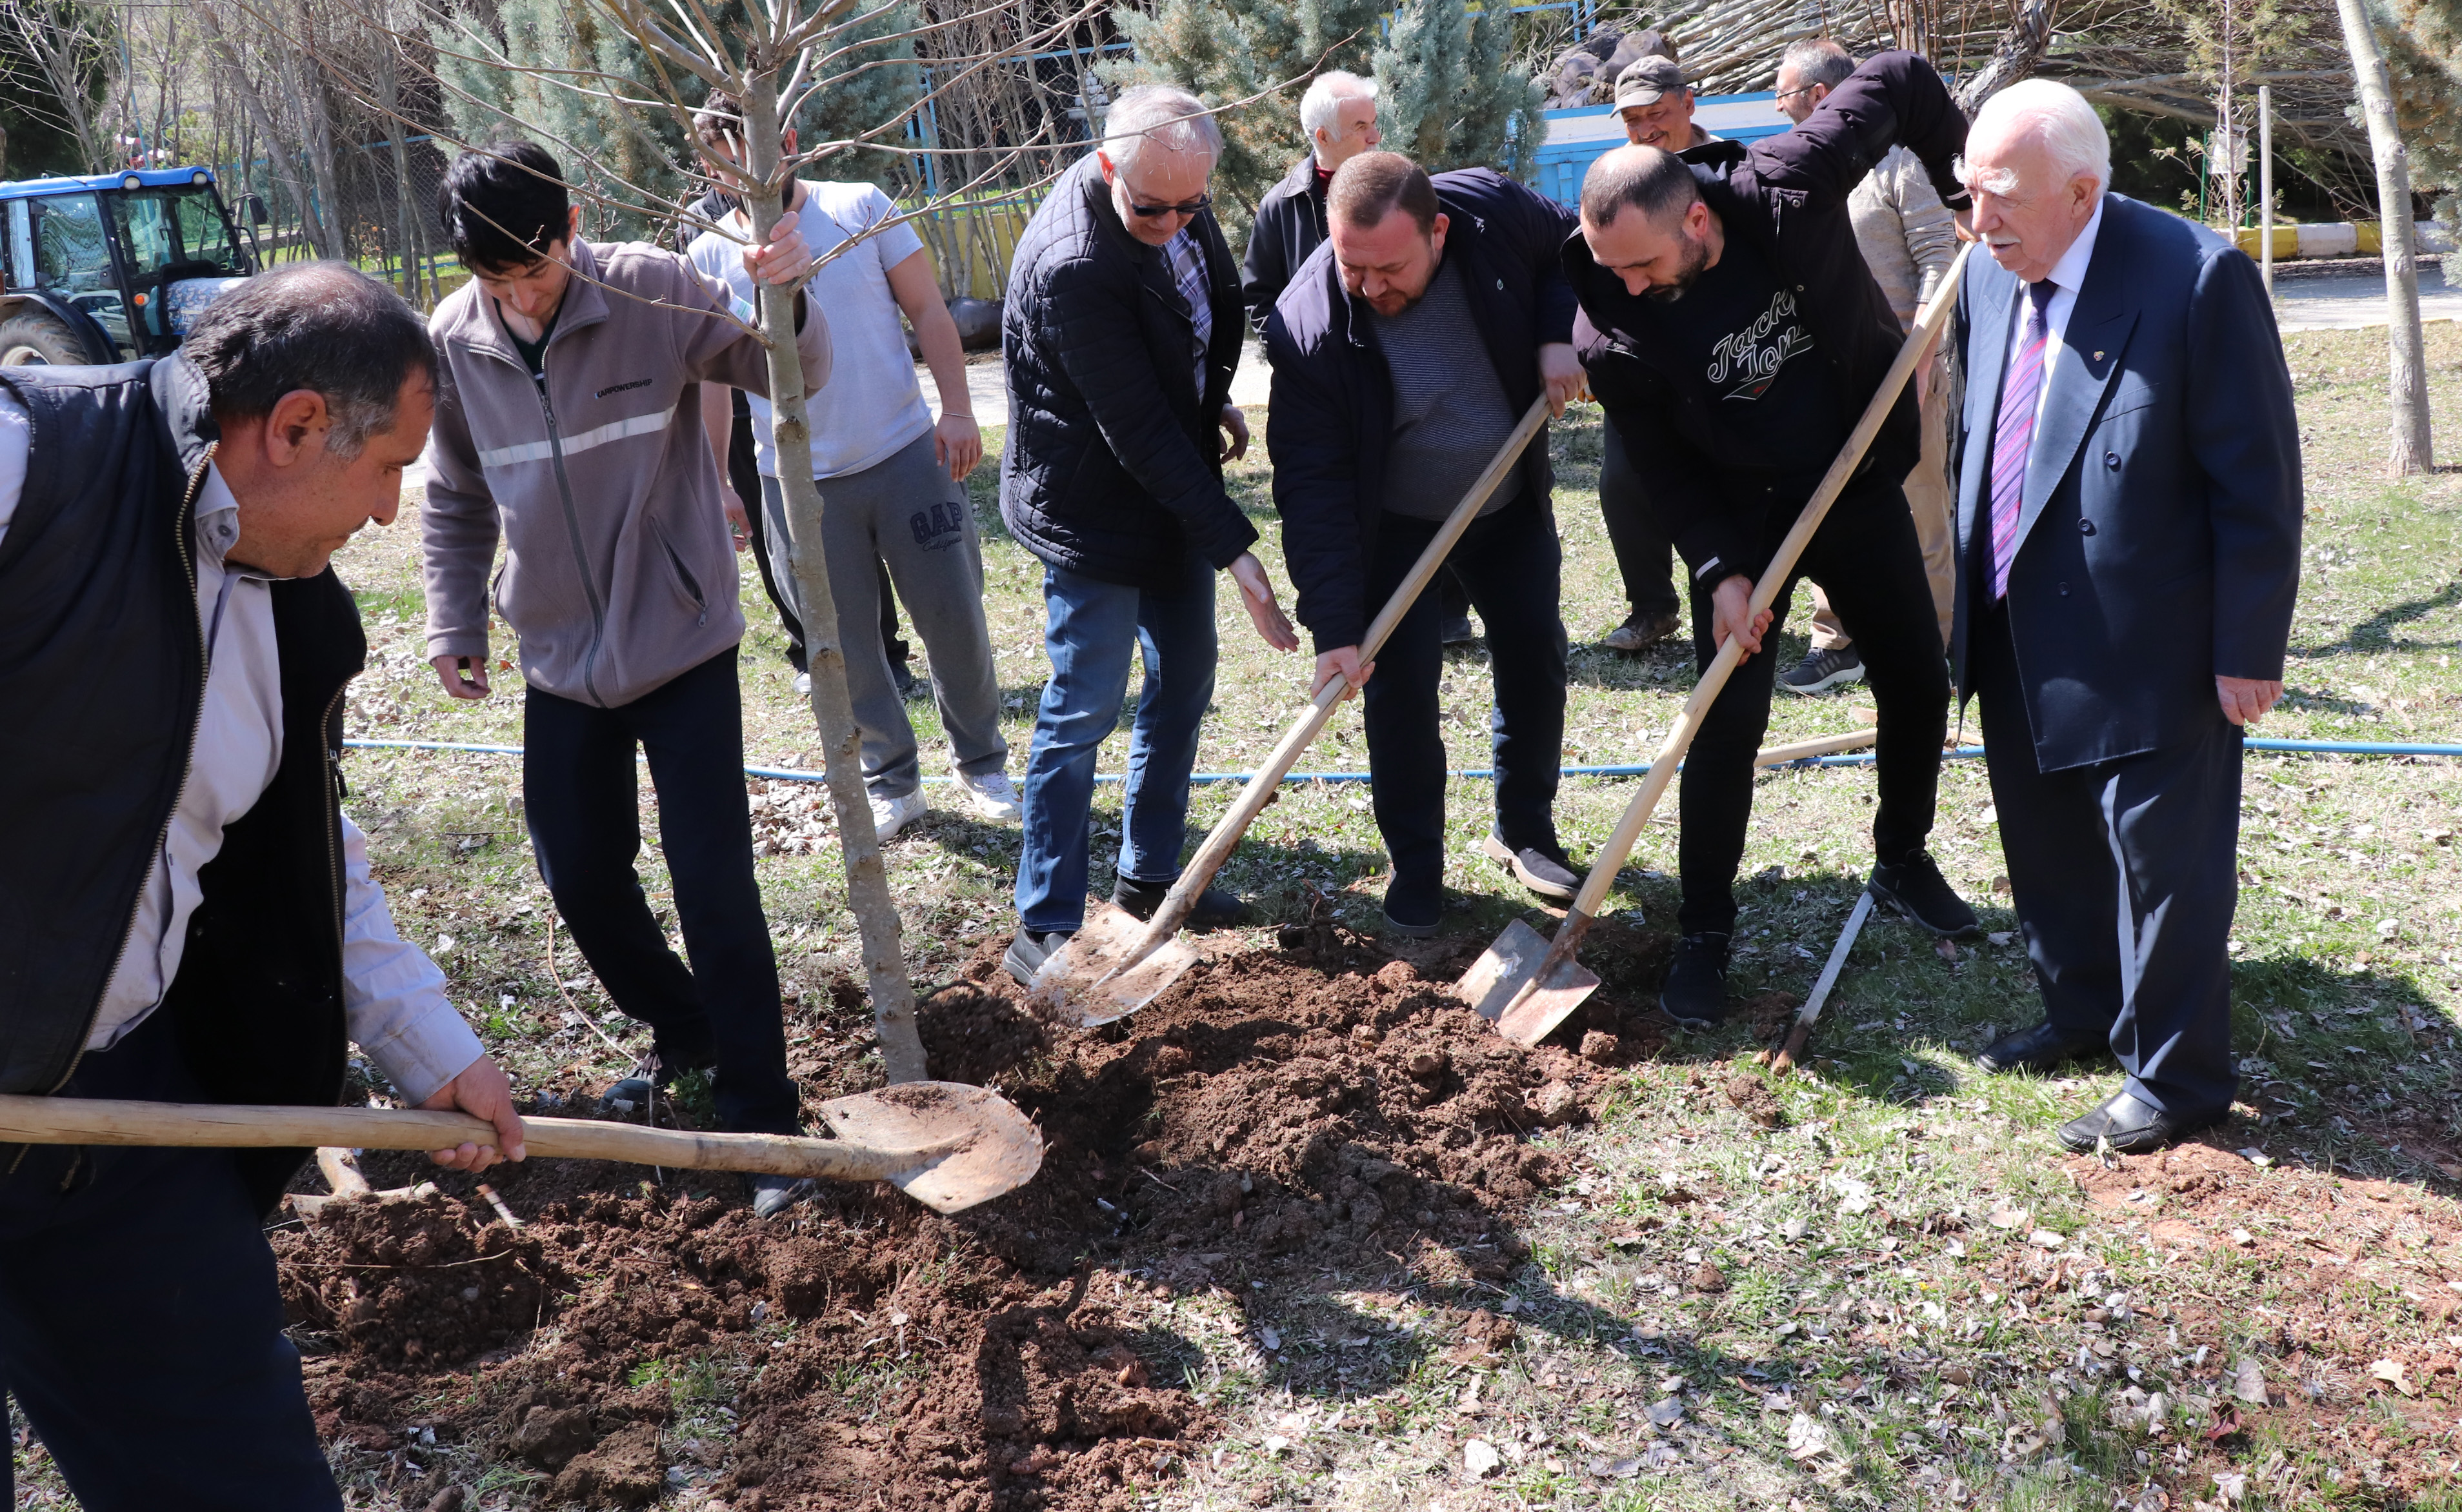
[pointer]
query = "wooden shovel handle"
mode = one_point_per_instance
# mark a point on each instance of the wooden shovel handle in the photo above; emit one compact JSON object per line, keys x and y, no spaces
{"x":1262,"y":785}
{"x":81,"y":1120}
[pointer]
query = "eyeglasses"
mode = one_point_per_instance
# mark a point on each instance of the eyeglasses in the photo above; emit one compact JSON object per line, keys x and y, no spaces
{"x":1155,"y":212}
{"x":1790,"y":94}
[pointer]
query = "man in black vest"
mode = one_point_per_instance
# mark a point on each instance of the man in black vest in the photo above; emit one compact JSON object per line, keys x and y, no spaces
{"x":185,"y":915}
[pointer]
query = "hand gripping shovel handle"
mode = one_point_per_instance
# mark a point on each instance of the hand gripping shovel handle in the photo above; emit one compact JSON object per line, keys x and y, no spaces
{"x":1261,"y":786}
{"x":81,"y":1120}
{"x":1611,"y":857}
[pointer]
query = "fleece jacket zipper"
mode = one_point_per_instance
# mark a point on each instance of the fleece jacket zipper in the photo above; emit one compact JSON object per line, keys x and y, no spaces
{"x":573,"y":531}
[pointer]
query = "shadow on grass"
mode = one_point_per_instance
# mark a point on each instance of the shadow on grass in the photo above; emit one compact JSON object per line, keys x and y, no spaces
{"x":2375,"y":634}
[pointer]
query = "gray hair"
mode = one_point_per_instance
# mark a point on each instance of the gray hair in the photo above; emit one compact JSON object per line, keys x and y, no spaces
{"x":1818,"y":60}
{"x":2052,"y":113}
{"x":1321,"y":107}
{"x":325,"y":327}
{"x":1158,"y":113}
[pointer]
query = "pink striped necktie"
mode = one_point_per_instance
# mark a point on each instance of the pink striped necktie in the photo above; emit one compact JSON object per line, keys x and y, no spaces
{"x":2015,"y":433}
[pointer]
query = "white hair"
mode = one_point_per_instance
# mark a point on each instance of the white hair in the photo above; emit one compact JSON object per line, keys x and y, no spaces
{"x":1321,"y":107}
{"x":2054,"y":114}
{"x":1159,"y":113}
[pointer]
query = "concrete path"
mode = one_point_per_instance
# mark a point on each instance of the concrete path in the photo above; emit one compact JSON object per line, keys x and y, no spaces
{"x":2341,"y":301}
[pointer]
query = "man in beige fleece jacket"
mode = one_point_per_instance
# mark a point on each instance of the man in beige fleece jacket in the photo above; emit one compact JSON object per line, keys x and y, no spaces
{"x":570,"y":427}
{"x":1909,"y":238}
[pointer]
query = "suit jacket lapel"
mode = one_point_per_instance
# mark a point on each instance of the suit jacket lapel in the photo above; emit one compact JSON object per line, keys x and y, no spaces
{"x":1987,"y":353}
{"x":2088,"y":360}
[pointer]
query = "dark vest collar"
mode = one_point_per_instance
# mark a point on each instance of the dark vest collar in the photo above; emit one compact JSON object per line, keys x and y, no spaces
{"x":185,"y":411}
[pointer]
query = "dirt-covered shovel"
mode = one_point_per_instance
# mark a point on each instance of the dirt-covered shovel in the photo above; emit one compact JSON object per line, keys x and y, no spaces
{"x":1525,"y":985}
{"x":1115,"y":965}
{"x":1801,"y":1032}
{"x":945,"y":1145}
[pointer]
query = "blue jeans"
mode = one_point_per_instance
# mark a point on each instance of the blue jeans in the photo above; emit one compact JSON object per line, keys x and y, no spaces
{"x":1092,"y":631}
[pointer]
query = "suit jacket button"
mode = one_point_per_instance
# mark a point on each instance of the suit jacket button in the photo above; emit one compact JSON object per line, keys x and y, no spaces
{"x":2064,"y":590}
{"x":2085,"y":527}
{"x":2111,"y":460}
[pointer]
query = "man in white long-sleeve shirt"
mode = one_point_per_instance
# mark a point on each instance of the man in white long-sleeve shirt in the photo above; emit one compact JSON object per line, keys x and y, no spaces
{"x":184,"y":913}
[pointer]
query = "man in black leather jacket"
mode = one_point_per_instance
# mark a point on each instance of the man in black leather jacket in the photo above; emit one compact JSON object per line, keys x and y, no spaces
{"x":185,"y":915}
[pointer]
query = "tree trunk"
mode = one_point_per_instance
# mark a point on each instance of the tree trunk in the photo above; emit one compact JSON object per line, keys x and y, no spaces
{"x":406,"y":233}
{"x":876,"y":913}
{"x":2020,"y":47}
{"x":2410,"y":448}
{"x":285,"y":168}
{"x":315,"y":139}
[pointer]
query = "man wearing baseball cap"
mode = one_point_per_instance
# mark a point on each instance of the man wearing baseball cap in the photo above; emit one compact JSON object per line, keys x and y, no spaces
{"x":1656,"y":107}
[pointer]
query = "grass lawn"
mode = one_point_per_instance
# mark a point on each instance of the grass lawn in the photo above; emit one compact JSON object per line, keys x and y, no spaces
{"x":1902,"y":1295}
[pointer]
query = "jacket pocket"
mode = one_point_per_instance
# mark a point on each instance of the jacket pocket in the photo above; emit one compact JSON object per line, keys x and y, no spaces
{"x":685,"y":583}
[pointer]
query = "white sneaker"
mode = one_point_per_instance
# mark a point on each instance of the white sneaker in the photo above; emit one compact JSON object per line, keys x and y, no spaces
{"x":992,"y":795}
{"x":889,"y":815}
{"x":803,"y":684}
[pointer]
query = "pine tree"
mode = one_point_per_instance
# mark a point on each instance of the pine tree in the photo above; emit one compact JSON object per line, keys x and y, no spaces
{"x":603,"y":147}
{"x":1447,"y":95}
{"x":1225,"y":50}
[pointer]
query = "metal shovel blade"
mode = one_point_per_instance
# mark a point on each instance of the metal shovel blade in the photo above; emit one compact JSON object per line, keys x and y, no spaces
{"x":1494,"y":979}
{"x":1081,"y":983}
{"x":971,"y":1144}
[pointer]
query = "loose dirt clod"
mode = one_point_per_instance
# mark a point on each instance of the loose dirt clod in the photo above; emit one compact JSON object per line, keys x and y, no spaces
{"x":1267,"y":1116}
{"x":1753,"y":1097}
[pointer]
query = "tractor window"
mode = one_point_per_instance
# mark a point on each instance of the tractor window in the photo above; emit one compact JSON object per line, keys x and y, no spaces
{"x":70,"y":252}
{"x":183,"y":228}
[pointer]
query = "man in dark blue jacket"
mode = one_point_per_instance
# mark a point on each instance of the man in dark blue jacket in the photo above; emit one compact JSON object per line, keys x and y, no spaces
{"x":1122,"y":329}
{"x":1735,"y":337}
{"x":2128,"y":553}
{"x":1405,"y":351}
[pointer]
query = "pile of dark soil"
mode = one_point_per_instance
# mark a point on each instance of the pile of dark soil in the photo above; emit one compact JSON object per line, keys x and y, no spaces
{"x":1273,"y":1113}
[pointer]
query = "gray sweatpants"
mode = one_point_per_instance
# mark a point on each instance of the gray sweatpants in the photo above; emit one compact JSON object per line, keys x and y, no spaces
{"x":906,"y":513}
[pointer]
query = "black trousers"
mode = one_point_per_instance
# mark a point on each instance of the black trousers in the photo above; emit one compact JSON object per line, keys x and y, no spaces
{"x":2126,"y":875}
{"x":1644,"y":558}
{"x":1510,"y":564}
{"x":141,"y":1325}
{"x":581,"y":794}
{"x":1866,"y":558}
{"x":743,"y":476}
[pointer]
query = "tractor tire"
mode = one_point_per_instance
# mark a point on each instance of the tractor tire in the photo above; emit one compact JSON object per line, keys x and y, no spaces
{"x":33,"y":336}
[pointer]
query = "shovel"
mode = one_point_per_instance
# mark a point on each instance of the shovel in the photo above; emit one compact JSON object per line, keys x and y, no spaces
{"x":1797,"y":1037}
{"x":1524,"y":985}
{"x":945,"y":1145}
{"x":1115,"y":965}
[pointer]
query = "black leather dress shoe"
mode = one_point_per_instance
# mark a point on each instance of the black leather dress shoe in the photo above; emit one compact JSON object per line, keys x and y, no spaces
{"x":2131,"y":1128}
{"x":2040,"y":1048}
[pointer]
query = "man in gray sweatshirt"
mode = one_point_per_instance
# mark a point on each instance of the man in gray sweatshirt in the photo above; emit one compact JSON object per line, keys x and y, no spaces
{"x":571,"y":427}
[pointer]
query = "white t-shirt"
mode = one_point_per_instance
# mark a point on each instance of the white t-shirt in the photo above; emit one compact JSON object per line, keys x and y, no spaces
{"x":871,"y":408}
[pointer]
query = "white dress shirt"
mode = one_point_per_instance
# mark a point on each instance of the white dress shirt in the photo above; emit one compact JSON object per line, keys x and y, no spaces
{"x":393,"y":995}
{"x":2066,"y":277}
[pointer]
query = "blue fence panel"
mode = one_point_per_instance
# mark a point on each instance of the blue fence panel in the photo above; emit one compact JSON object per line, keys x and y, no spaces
{"x":1577,"y":138}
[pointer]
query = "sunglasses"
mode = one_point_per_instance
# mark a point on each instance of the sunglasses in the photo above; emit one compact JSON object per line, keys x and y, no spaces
{"x":1155,"y":212}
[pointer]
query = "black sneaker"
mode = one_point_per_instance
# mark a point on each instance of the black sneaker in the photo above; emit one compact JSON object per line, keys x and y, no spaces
{"x":1541,"y":868}
{"x":1823,"y":670}
{"x":1696,"y":994}
{"x":1412,"y":909}
{"x":1916,"y":889}
{"x":1642,"y":630}
{"x":1027,"y":952}
{"x":1216,"y":909}
{"x":1458,"y":631}
{"x":908,"y":684}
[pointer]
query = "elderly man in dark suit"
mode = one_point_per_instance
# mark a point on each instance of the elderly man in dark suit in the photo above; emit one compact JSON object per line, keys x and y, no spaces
{"x":2128,"y":551}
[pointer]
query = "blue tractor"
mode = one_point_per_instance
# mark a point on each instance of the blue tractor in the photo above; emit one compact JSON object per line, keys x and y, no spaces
{"x":113,"y":268}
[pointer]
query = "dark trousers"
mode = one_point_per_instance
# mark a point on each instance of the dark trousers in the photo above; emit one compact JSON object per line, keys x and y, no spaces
{"x":1864,"y":556}
{"x":581,"y":793}
{"x":1644,"y":558}
{"x":141,"y":1325}
{"x":1509,"y":562}
{"x":2124,"y":876}
{"x":743,"y":476}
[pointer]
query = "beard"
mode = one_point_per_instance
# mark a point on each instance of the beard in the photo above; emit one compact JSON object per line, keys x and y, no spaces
{"x":1696,"y":257}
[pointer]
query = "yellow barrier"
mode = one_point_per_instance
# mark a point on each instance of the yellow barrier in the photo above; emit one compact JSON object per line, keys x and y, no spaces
{"x":971,"y":244}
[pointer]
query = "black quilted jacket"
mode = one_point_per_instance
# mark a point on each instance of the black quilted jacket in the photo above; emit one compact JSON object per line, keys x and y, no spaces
{"x":1111,"y":467}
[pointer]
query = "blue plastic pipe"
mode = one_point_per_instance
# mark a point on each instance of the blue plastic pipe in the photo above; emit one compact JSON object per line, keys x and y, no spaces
{"x":1485,"y":774}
